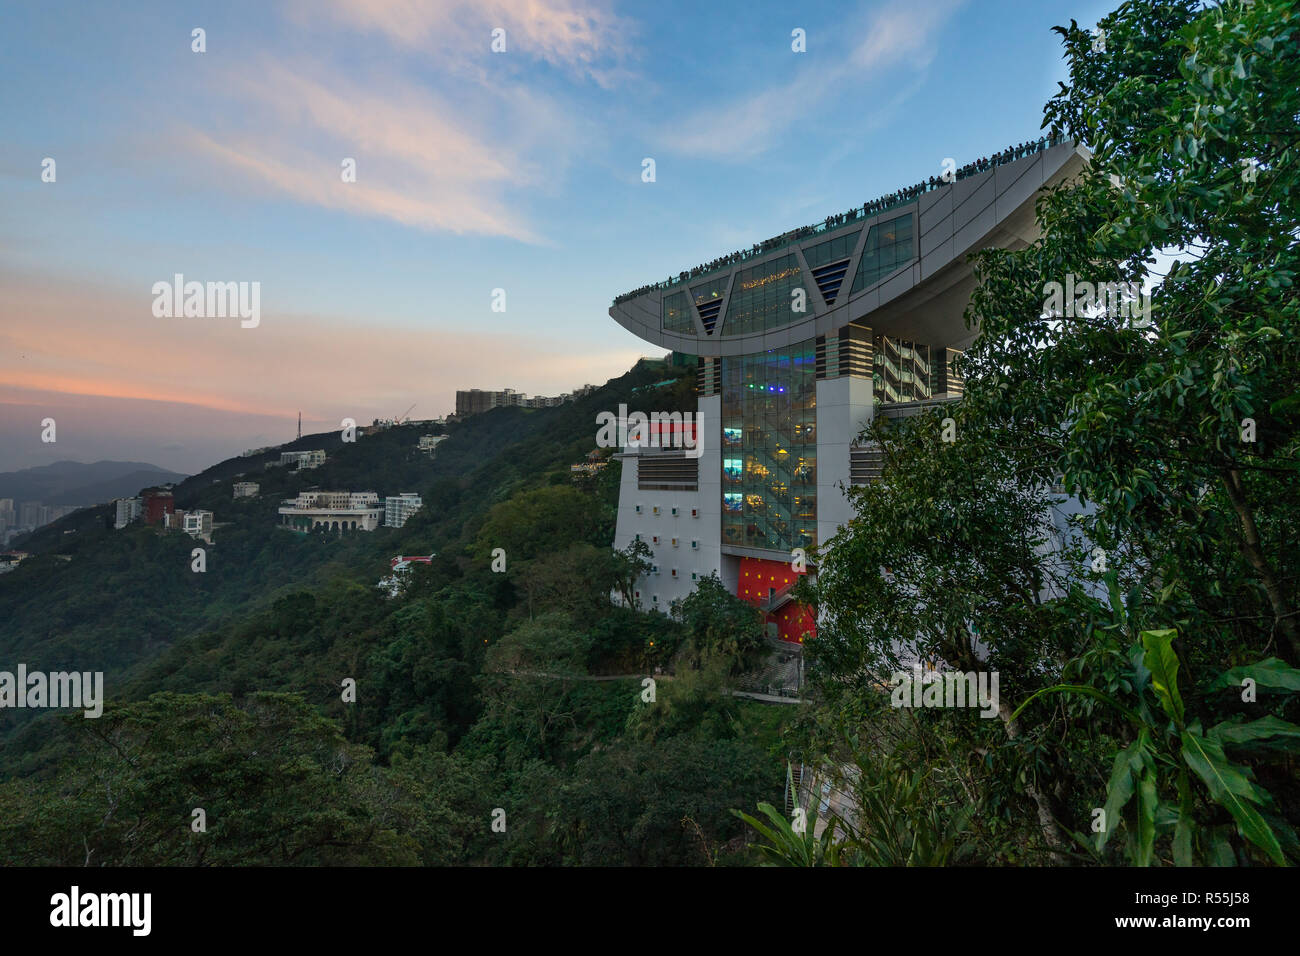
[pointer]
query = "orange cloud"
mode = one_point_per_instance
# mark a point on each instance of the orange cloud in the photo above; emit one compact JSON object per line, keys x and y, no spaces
{"x":568,"y":33}
{"x":417,"y":162}
{"x":67,"y":339}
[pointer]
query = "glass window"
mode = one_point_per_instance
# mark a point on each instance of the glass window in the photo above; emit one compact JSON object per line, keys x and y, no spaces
{"x":760,"y":297}
{"x":832,"y":250}
{"x":677,"y":314}
{"x":887,"y":249}
{"x":710,"y":291}
{"x":770,"y":473}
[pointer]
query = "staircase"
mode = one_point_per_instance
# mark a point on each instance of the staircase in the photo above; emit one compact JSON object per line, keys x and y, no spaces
{"x":779,"y":599}
{"x":793,"y":781}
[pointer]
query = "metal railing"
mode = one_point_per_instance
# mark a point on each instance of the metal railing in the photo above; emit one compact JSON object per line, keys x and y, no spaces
{"x":867,"y":210}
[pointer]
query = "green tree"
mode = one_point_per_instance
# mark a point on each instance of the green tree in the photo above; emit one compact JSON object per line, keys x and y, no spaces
{"x":717,"y":619}
{"x":1176,"y":425}
{"x":1190,"y":116}
{"x":277,"y":783}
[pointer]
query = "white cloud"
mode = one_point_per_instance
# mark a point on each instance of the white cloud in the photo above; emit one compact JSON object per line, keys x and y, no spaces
{"x":898,"y":37}
{"x":419,"y":162}
{"x":580,"y":37}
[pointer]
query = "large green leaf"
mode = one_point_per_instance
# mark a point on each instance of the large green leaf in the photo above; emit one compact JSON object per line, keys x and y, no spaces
{"x":1184,"y":854}
{"x":1220,"y":850}
{"x":1271,"y":672}
{"x":1267,"y":731}
{"x":1233,"y":790}
{"x":1123,"y":779}
{"x":1161,"y":660}
{"x":1148,"y":799}
{"x":784,"y":846}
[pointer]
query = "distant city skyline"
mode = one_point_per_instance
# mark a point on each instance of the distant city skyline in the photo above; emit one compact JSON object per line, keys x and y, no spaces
{"x":475,"y":171}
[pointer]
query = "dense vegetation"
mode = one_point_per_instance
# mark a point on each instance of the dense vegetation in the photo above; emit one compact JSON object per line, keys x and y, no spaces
{"x":475,"y":691}
{"x":1147,"y":651}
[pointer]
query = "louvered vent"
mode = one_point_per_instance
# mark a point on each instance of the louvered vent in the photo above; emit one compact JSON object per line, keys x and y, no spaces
{"x":667,"y":473}
{"x":709,"y":314}
{"x":866,"y":462}
{"x":829,"y":278}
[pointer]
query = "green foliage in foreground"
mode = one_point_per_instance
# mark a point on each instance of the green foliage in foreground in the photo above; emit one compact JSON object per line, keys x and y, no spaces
{"x":1128,"y":629}
{"x":1170,"y":744}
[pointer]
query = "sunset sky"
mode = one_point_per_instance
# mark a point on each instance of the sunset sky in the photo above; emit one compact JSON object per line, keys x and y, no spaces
{"x":475,"y":170}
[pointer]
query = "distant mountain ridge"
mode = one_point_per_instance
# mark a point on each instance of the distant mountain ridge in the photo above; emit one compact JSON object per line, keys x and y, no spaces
{"x":81,"y":483}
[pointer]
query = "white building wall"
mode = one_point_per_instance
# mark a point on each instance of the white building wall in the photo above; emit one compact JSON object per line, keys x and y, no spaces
{"x":127,"y":510}
{"x":698,"y":518}
{"x":843,"y":410}
{"x":398,"y":508}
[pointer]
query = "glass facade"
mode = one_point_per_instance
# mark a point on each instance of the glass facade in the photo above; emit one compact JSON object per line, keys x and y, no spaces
{"x":888,"y":247}
{"x":677,"y":314}
{"x":769,"y":449}
{"x":708,"y":300}
{"x":760,"y":298}
{"x":710,"y":291}
{"x":902,"y":371}
{"x":832,"y":250}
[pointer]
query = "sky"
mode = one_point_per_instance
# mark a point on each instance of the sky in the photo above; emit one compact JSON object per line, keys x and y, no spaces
{"x":475,"y":171}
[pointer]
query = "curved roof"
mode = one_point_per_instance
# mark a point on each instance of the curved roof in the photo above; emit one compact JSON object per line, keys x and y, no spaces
{"x":925,"y":292}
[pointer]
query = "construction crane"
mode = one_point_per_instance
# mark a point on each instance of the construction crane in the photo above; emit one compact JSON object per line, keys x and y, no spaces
{"x":402,"y":417}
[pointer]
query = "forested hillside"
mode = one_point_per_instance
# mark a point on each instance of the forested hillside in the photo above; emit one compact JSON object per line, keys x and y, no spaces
{"x":94,"y":598}
{"x":475,"y":691}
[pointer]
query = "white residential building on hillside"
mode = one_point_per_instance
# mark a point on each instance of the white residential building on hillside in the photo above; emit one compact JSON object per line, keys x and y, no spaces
{"x":332,"y":510}
{"x":126,"y":510}
{"x":397,"y":508}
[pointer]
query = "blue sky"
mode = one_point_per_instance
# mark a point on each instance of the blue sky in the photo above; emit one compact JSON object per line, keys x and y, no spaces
{"x":475,"y":170}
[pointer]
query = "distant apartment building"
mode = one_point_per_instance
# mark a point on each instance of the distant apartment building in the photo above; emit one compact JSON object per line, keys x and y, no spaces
{"x":196,"y":523}
{"x":126,"y":510}
{"x":475,"y":401}
{"x":29,"y":514}
{"x":397,"y":508}
{"x":156,"y":505}
{"x":24,"y":516}
{"x":246,"y":489}
{"x":303,"y":459}
{"x":430,"y":442}
{"x":333,"y":511}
